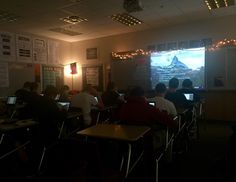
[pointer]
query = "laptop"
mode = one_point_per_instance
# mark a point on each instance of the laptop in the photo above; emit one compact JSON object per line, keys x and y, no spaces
{"x":152,"y":103}
{"x":57,"y":97}
{"x":189,"y":97}
{"x":11,"y":100}
{"x":64,"y":105}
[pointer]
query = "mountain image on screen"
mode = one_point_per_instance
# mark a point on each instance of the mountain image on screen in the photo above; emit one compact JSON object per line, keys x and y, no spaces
{"x":177,"y":64}
{"x":188,"y":64}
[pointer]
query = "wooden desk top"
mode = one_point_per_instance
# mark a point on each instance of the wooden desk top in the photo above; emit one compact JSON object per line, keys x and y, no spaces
{"x":117,"y":132}
{"x":5,"y":127}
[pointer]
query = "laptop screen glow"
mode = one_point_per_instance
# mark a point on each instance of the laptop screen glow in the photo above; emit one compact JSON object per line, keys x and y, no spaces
{"x":11,"y":100}
{"x":189,"y":96}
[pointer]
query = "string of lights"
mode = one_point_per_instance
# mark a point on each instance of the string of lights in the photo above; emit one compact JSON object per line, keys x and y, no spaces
{"x":130,"y":55}
{"x":221,"y":44}
{"x":141,"y":52}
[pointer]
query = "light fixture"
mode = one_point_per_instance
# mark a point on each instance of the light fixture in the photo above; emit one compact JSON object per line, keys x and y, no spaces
{"x":65,"y":31}
{"x":73,"y":19}
{"x":222,"y":43}
{"x":215,"y":4}
{"x":126,"y":19}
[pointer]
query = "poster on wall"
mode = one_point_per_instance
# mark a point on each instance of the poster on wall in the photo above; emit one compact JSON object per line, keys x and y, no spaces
{"x":24,"y":48}
{"x":4,"y":76}
{"x":7,"y":46}
{"x":52,"y":75}
{"x":39,"y":50}
{"x":92,"y":75}
{"x":53,"y":52}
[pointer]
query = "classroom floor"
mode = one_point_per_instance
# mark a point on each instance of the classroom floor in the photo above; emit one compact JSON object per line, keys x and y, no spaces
{"x":205,"y":160}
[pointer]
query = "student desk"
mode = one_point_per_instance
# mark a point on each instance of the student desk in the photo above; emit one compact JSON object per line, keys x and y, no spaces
{"x":126,"y":133}
{"x":11,"y":127}
{"x":6,"y":127}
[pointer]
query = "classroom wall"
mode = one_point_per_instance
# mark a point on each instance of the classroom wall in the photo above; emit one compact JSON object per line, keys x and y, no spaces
{"x":215,"y":29}
{"x":19,"y":71}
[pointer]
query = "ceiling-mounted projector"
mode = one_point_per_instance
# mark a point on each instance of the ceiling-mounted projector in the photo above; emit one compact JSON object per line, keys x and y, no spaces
{"x":132,"y":5}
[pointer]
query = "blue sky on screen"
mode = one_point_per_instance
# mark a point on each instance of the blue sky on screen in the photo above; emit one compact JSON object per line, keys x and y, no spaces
{"x":194,"y":58}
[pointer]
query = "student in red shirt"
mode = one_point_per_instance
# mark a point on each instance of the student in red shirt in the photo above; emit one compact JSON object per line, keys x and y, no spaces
{"x":137,"y":111}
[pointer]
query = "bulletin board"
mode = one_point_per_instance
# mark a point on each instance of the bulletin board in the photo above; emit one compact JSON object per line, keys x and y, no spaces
{"x":52,"y":75}
{"x":93,"y":75}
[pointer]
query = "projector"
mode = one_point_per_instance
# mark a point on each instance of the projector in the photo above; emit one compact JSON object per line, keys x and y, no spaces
{"x":132,"y":5}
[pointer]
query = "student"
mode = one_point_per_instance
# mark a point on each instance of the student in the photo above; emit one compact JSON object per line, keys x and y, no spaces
{"x":34,"y":87}
{"x":187,"y":88}
{"x":162,"y":103}
{"x":64,"y":94}
{"x":85,"y":100}
{"x":48,"y":114}
{"x":111,"y":96}
{"x":177,"y":98}
{"x":137,"y":111}
{"x":23,"y":93}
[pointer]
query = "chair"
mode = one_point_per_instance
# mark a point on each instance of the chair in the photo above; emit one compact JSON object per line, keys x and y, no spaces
{"x":169,"y":140}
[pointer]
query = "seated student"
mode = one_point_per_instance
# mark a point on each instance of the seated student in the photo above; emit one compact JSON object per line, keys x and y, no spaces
{"x":137,"y":111}
{"x":24,"y":97}
{"x":177,"y":98}
{"x":23,"y":93}
{"x":111,"y":97}
{"x":85,"y":100}
{"x":162,"y":103}
{"x":34,"y":88}
{"x":187,"y":88}
{"x":64,"y":94}
{"x":48,"y":114}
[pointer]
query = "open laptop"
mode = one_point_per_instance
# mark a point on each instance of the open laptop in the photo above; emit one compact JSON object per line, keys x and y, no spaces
{"x":189,"y":97}
{"x":57,"y":97}
{"x":11,"y":100}
{"x":64,"y":105}
{"x":152,"y":103}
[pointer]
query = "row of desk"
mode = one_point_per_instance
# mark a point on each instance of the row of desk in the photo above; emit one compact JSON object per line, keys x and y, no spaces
{"x":130,"y":134}
{"x":124,"y":133}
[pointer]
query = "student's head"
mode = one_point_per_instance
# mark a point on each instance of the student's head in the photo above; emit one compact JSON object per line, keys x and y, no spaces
{"x":65,"y":89}
{"x":34,"y":87}
{"x":173,"y":83}
{"x":27,"y":85}
{"x":90,"y":89}
{"x":50,"y":91}
{"x":111,"y":86}
{"x":160,"y":89}
{"x":187,"y":83}
{"x":137,"y":91}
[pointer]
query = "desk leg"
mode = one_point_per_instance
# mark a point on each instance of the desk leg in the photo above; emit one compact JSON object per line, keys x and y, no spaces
{"x":128,"y":161}
{"x":2,"y":136}
{"x":179,"y":123}
{"x":121,"y":163}
{"x":61,"y":129}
